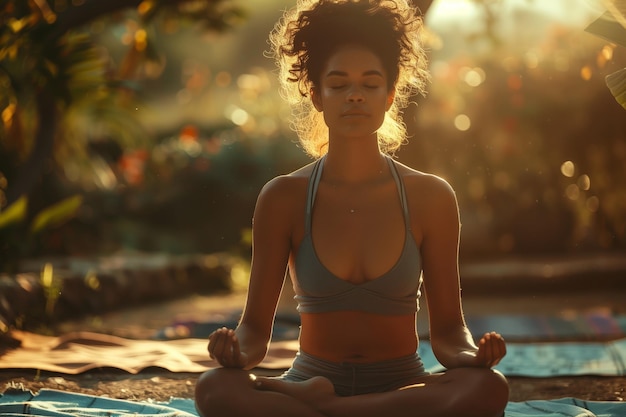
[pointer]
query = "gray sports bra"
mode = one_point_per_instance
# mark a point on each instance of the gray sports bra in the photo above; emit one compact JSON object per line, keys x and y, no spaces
{"x":319,"y":290}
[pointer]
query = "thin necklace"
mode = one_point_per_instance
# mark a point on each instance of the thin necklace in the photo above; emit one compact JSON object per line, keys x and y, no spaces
{"x":353,"y":210}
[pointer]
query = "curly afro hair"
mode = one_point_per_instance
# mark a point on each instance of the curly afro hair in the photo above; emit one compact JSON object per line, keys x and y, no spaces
{"x":307,"y":35}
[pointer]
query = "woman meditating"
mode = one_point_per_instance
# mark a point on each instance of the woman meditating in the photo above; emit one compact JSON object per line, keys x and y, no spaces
{"x":362,"y":236}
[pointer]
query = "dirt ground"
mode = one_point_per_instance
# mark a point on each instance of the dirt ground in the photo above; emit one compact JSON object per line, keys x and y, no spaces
{"x":160,"y":385}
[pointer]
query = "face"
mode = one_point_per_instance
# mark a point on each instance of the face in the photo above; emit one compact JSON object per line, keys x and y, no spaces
{"x":352,"y":92}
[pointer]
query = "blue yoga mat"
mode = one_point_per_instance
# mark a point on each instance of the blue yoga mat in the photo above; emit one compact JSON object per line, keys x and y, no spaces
{"x":552,"y":359}
{"x":52,"y":403}
{"x":589,"y":326}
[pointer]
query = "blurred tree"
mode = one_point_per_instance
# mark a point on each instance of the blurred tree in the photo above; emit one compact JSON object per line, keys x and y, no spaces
{"x":50,"y":62}
{"x":532,"y":143}
{"x":63,"y":99}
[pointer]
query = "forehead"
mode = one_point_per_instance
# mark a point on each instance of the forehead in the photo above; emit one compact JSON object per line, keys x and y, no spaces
{"x":353,"y":59}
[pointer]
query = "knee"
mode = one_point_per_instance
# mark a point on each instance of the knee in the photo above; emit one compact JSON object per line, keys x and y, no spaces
{"x":496,"y":388}
{"x":487,"y":393}
{"x":217,"y":390}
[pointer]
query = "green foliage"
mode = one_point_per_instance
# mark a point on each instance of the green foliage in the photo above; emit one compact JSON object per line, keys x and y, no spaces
{"x":617,"y":84}
{"x":15,"y":213}
{"x":52,"y":287}
{"x":531,"y":113}
{"x":18,"y":234}
{"x":219,"y":16}
{"x":59,"y":83}
{"x":49,"y":49}
{"x":56,"y":214}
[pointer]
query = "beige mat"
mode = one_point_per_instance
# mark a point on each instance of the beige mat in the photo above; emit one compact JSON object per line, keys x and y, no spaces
{"x":78,"y":352}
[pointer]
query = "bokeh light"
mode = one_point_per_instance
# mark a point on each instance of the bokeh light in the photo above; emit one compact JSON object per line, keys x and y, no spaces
{"x":568,"y":169}
{"x":584,"y":182}
{"x":572,"y":192}
{"x":462,"y":122}
{"x":593,"y":204}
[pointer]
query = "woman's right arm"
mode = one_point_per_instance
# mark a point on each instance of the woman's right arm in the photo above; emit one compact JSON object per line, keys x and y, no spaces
{"x":247,"y":345}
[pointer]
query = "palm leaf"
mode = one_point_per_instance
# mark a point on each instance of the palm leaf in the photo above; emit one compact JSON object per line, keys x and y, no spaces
{"x":617,"y":85}
{"x":15,"y":213}
{"x":617,"y":8}
{"x":57,"y":214}
{"x":81,"y":68}
{"x":608,"y":28}
{"x":612,"y":27}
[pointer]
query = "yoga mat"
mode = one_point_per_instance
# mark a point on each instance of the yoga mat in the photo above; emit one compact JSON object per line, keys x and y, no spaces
{"x":592,"y":326}
{"x":79,"y":352}
{"x":64,"y":404}
{"x":286,"y":327}
{"x":588,"y":326}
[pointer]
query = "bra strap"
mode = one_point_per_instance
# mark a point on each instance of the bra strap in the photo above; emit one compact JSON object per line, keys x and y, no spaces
{"x":401,"y":191}
{"x":314,"y":182}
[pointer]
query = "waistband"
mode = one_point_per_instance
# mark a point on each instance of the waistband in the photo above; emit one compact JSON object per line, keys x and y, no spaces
{"x":351,"y":378}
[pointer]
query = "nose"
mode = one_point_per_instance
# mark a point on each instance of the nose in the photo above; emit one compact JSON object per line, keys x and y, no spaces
{"x":355,"y":95}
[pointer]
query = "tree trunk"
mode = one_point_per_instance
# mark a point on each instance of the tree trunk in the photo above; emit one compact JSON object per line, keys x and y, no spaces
{"x":30,"y":171}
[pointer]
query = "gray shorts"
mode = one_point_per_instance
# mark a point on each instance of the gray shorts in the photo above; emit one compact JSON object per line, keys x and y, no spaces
{"x":358,"y":378}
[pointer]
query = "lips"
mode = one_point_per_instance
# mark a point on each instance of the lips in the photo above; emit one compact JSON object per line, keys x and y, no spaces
{"x":354,"y":113}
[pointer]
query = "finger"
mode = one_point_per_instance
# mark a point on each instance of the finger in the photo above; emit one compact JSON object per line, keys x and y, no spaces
{"x":236,"y":351}
{"x":222,"y":346}
{"x":503,"y":348}
{"x":220,"y":342}
{"x":488,"y":347}
{"x":480,"y":354}
{"x":499,"y":349}
{"x":213,"y":338}
{"x":488,"y":350}
{"x":227,"y":352}
{"x":228,"y":355}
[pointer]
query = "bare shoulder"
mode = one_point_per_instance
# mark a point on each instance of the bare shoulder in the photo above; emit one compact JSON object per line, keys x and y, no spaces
{"x":426,"y":189}
{"x":285,"y":192}
{"x":432,"y":203}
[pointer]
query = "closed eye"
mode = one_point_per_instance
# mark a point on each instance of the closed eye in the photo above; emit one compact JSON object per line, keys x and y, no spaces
{"x":372,"y":82}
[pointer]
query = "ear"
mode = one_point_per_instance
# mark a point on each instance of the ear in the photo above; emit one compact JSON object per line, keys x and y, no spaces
{"x":316,"y":99}
{"x":390,"y":97}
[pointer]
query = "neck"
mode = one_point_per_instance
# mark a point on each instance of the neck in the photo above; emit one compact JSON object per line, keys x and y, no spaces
{"x":362,"y":163}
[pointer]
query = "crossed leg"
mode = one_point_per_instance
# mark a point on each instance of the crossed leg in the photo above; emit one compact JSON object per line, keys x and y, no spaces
{"x":463,"y":392}
{"x":233,"y":393}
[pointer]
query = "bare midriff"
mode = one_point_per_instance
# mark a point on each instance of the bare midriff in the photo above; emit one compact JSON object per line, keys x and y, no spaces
{"x":358,"y":337}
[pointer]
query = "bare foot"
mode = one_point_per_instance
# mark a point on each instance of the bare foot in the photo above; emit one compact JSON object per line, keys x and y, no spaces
{"x":315,"y":391}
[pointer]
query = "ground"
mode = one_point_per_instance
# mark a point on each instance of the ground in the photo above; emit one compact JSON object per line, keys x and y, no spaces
{"x":160,"y":386}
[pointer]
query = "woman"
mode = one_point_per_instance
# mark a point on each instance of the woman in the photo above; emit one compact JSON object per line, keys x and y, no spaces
{"x":357,"y":231}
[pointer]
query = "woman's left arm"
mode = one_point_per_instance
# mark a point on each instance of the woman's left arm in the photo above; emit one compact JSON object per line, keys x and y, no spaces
{"x":451,"y":340}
